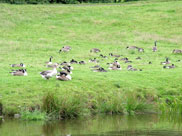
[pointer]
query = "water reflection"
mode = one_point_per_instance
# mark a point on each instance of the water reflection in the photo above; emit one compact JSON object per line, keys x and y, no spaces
{"x":105,"y":125}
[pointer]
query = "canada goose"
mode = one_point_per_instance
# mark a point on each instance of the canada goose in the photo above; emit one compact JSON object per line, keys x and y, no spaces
{"x":63,"y":76}
{"x":177,"y":51}
{"x":130,"y":68}
{"x":67,"y":67}
{"x":73,"y":61}
{"x":112,"y":55}
{"x":118,"y":67}
{"x":138,"y":58}
{"x":115,"y":63}
{"x":140,"y":50}
{"x":50,"y":61}
{"x":18,"y":65}
{"x":19,"y":73}
{"x":154,"y":49}
{"x":169,"y":67}
{"x":124,"y":59}
{"x":93,"y":60}
{"x":67,"y":71}
{"x":166,"y":62}
{"x":95,"y":50}
{"x":103,"y":56}
{"x":52,"y":65}
{"x":131,"y":47}
{"x":65,"y":49}
{"x":100,"y":70}
{"x":48,"y":74}
{"x":96,"y":66}
{"x":82,"y":62}
{"x":128,"y":61}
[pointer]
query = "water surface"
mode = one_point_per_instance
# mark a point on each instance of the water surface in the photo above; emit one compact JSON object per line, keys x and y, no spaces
{"x":105,"y":125}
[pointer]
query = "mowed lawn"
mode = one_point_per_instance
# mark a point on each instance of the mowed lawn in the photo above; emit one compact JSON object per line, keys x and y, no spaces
{"x":32,"y":33}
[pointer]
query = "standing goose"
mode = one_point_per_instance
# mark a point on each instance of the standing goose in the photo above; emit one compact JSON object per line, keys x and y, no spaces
{"x":48,"y":74}
{"x":18,"y":65}
{"x":50,"y":61}
{"x":154,"y":49}
{"x":22,"y":72}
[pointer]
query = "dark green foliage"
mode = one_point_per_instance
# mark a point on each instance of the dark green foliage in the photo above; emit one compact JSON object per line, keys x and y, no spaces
{"x":1,"y":108}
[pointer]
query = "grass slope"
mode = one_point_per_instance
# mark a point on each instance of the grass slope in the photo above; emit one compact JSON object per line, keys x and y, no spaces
{"x":32,"y":33}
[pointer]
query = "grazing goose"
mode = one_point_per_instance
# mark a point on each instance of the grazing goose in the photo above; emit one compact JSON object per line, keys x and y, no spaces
{"x":169,"y":67}
{"x":100,"y":70}
{"x":65,"y":49}
{"x":140,"y":50}
{"x":130,"y":68}
{"x":166,"y":62}
{"x":131,"y":47}
{"x":95,"y":50}
{"x":154,"y":49}
{"x":118,"y":67}
{"x":21,"y":72}
{"x":18,"y":65}
{"x":103,"y":56}
{"x":48,"y":74}
{"x":50,"y":61}
{"x":177,"y":51}
{"x":63,"y":76}
{"x":82,"y":62}
{"x":112,"y":55}
{"x":73,"y":61}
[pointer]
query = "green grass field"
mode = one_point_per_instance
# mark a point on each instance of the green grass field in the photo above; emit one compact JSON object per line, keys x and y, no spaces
{"x":32,"y":33}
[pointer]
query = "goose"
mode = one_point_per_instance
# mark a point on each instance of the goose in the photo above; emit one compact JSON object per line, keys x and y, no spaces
{"x":169,"y":67}
{"x":124,"y":59}
{"x":65,"y":49}
{"x":103,"y":56}
{"x":64,"y":63}
{"x":177,"y":51}
{"x":131,"y":47}
{"x":48,"y":74}
{"x":67,"y":71}
{"x":52,"y":65}
{"x":166,"y":62}
{"x":112,"y":55}
{"x":93,"y":60}
{"x":19,"y":73}
{"x":63,"y":76}
{"x":82,"y":62}
{"x":50,"y":61}
{"x":128,"y":61}
{"x":96,"y":66}
{"x":67,"y":67}
{"x":95,"y":50}
{"x":100,"y":70}
{"x":138,"y":58}
{"x":118,"y":67}
{"x":114,"y":63}
{"x":130,"y":68}
{"x":154,"y":49}
{"x":73,"y":61}
{"x":18,"y":65}
{"x":140,"y":50}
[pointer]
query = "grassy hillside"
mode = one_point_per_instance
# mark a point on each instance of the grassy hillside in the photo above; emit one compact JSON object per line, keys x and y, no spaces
{"x":32,"y":33}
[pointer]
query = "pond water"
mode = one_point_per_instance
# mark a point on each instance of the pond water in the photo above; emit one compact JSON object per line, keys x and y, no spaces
{"x":105,"y":125}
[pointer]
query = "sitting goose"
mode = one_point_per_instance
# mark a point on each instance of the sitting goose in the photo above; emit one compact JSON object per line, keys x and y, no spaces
{"x":67,"y":67}
{"x":154,"y":49}
{"x":50,"y":61}
{"x":65,"y":49}
{"x":100,"y":70}
{"x":115,"y":63}
{"x":140,"y":50}
{"x":67,"y":71}
{"x":131,"y":47}
{"x":118,"y":67}
{"x":95,"y":50}
{"x":103,"y":56}
{"x":124,"y":59}
{"x":21,"y":72}
{"x":96,"y":66}
{"x":82,"y":62}
{"x":169,"y":67}
{"x":112,"y":55}
{"x":93,"y":60}
{"x":166,"y":62}
{"x":18,"y":65}
{"x":73,"y":61}
{"x":48,"y":74}
{"x":130,"y":68}
{"x":63,"y":76}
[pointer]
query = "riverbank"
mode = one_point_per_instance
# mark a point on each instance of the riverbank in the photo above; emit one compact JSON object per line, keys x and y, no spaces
{"x":32,"y":33}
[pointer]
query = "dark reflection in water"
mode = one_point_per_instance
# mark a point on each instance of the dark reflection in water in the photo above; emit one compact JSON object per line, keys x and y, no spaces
{"x":104,"y":125}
